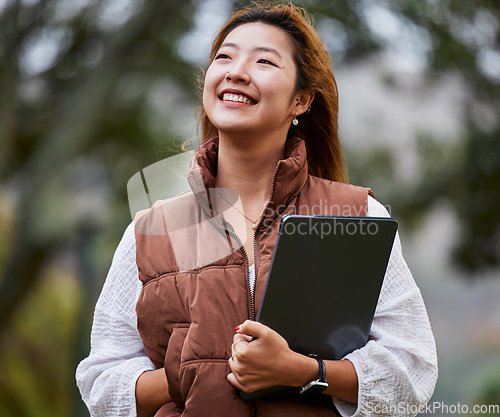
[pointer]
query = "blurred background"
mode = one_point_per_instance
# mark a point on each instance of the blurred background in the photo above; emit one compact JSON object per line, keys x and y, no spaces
{"x":92,"y":91}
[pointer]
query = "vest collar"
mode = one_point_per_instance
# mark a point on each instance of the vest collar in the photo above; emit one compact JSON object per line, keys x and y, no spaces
{"x":289,"y":178}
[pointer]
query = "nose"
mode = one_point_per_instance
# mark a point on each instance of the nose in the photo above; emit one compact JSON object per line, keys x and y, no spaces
{"x":238,"y":74}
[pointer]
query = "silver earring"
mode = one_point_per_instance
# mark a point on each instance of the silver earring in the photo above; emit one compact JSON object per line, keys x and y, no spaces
{"x":295,"y":121}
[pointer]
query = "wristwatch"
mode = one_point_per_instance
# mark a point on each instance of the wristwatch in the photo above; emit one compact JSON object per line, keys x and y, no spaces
{"x":319,"y":385}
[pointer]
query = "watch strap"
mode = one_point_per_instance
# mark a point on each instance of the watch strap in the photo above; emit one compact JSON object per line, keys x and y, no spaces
{"x":322,"y":367}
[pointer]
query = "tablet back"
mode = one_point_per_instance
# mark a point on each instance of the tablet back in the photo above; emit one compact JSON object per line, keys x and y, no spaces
{"x":324,"y":281}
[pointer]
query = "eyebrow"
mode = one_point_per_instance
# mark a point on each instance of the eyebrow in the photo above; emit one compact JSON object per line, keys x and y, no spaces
{"x":258,"y":48}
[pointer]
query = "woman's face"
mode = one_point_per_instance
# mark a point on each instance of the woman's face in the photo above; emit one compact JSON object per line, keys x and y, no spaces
{"x":250,"y":85}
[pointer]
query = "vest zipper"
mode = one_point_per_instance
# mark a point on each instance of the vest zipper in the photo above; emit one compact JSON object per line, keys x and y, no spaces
{"x":250,"y":289}
{"x":255,"y":249}
{"x":255,"y":260}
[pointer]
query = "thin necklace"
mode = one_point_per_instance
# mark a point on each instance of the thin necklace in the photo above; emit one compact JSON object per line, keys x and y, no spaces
{"x":254,"y":222}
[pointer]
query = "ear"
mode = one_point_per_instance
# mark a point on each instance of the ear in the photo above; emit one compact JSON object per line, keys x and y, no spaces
{"x":301,"y":103}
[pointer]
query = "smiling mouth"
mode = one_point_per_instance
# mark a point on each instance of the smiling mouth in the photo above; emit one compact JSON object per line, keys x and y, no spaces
{"x":237,"y":98}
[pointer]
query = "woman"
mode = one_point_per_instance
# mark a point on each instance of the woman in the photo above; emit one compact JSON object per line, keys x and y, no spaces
{"x":269,"y":120}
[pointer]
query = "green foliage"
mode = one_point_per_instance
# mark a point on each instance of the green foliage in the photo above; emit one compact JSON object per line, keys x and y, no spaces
{"x":480,"y":175}
{"x":86,"y":103}
{"x":36,"y":369}
{"x":487,"y":390}
{"x":463,"y":172}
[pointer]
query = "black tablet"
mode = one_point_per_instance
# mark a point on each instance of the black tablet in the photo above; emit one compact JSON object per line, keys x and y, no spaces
{"x":324,"y":282}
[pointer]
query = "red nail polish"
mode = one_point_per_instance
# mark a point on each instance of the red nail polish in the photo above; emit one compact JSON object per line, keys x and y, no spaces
{"x":236,"y":328}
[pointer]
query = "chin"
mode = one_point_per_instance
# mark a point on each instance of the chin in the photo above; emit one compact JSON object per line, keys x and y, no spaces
{"x":234,"y":128}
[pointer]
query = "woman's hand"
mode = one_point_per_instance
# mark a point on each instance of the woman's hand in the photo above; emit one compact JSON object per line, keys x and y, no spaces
{"x":266,"y":361}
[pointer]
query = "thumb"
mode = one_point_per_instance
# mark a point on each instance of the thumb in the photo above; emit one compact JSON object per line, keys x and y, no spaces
{"x":253,"y":328}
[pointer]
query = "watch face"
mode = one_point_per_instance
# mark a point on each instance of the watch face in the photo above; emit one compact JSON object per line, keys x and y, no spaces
{"x":314,"y":387}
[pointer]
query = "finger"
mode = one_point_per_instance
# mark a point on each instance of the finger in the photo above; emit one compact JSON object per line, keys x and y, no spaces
{"x":234,"y":350}
{"x":238,"y":348}
{"x":253,"y":328}
{"x":242,"y":337}
{"x":239,"y":343}
{"x":234,"y":381}
{"x":235,"y":343}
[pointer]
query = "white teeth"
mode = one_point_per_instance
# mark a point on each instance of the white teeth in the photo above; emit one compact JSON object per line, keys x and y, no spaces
{"x":237,"y":98}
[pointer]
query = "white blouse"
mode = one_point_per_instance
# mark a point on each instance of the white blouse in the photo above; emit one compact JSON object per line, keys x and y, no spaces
{"x":397,"y":368}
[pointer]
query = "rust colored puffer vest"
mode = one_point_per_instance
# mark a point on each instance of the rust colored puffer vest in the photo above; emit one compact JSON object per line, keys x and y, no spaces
{"x":196,"y":288}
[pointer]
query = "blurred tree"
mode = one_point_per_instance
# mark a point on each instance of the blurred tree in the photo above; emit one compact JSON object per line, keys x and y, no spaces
{"x":453,"y":37}
{"x":465,"y":37}
{"x":62,"y":80}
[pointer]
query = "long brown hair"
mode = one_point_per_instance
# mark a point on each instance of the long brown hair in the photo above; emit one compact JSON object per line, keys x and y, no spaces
{"x":319,"y":126}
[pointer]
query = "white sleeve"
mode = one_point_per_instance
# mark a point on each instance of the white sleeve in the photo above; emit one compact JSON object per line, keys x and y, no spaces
{"x":397,"y":368}
{"x":107,"y":377}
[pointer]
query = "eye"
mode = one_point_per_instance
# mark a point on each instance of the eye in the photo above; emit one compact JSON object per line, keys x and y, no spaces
{"x":222,"y":56}
{"x":266,"y":61}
